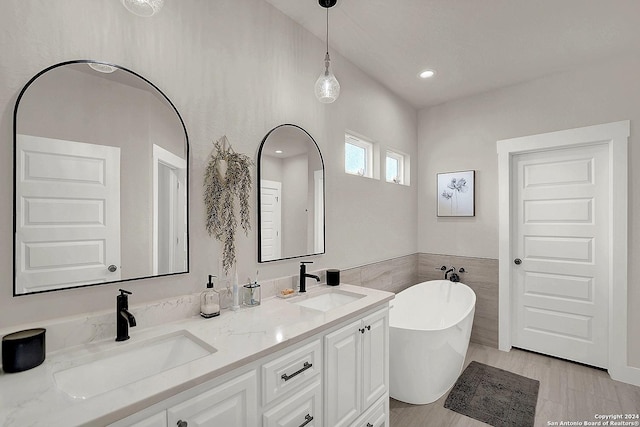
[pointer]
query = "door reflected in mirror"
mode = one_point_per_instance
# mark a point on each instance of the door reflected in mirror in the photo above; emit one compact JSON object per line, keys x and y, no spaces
{"x":101,"y":179}
{"x":291,"y":195}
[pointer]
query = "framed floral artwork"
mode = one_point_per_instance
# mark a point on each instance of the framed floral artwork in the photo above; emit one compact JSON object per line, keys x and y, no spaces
{"x":456,"y":193}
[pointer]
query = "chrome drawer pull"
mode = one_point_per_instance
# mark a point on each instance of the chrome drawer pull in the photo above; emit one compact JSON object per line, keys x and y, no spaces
{"x":307,"y":420}
{"x":306,"y":366}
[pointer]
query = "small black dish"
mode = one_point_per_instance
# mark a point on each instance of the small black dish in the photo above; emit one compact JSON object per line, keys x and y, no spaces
{"x":23,"y":350}
{"x":333,"y":277}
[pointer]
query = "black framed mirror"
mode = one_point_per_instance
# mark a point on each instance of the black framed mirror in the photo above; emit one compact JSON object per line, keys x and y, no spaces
{"x":100,"y":179}
{"x":291,"y":195}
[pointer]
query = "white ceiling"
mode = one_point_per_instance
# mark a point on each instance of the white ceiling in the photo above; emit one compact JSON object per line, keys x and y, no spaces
{"x":474,"y":45}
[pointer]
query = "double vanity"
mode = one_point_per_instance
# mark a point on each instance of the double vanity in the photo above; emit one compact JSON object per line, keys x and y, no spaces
{"x":319,"y":359}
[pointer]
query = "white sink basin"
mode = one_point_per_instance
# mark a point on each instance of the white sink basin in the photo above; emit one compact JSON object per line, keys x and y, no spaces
{"x":326,"y":300}
{"x":133,"y":361}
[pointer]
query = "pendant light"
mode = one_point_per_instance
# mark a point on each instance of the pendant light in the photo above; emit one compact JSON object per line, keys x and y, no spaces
{"x":327,"y":87}
{"x":144,"y":8}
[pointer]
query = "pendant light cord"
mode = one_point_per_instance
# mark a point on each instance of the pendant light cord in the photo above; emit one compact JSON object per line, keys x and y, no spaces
{"x":327,"y":30}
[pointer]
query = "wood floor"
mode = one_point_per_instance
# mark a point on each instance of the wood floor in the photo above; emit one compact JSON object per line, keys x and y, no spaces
{"x":568,"y":392}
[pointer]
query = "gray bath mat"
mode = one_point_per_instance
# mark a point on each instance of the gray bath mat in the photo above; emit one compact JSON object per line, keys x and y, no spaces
{"x":494,"y":396}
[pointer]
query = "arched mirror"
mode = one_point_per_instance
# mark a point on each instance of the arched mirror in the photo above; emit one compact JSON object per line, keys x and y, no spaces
{"x":290,"y":196}
{"x":101,"y":179}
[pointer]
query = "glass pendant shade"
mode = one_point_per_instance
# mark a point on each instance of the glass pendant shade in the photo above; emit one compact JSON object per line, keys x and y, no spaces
{"x":327,"y":88}
{"x":144,"y":8}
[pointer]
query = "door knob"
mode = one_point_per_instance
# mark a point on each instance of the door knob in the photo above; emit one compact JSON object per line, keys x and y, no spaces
{"x":517,"y":261}
{"x":112,"y":268}
{"x":181,"y":423}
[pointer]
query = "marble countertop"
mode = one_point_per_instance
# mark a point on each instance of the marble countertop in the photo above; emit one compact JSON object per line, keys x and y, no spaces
{"x":31,"y":398}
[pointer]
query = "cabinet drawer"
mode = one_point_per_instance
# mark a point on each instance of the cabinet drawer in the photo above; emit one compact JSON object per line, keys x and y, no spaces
{"x":302,"y":409}
{"x":291,"y":370}
{"x":376,"y":416}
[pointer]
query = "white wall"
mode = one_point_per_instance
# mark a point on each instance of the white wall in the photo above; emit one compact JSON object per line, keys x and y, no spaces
{"x":462,"y":135}
{"x":231,"y":67}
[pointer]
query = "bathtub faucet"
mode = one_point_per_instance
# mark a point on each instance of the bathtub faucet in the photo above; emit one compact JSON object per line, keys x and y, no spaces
{"x":454,"y":276}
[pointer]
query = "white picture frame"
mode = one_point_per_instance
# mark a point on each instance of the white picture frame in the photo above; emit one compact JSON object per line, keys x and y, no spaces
{"x":456,"y":194}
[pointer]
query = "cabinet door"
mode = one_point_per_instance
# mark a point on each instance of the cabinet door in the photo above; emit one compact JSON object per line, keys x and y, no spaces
{"x":343,"y":389}
{"x":302,"y":409}
{"x":233,"y":403}
{"x":375,"y":356}
{"x":157,"y":420}
{"x":376,"y":416}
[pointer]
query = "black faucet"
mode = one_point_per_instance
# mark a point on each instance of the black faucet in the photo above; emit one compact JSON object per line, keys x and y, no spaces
{"x":304,"y":275}
{"x":447,"y":272}
{"x":124,"y":318}
{"x":454,"y":277}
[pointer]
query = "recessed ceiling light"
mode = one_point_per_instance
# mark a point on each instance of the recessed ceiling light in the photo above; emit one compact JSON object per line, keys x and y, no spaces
{"x":278,"y":151}
{"x":426,"y":74}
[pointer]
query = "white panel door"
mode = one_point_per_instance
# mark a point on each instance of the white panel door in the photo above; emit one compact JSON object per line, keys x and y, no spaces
{"x":318,"y":216}
{"x":270,"y":220}
{"x":67,"y":213}
{"x":169,"y":212}
{"x":561,"y":227}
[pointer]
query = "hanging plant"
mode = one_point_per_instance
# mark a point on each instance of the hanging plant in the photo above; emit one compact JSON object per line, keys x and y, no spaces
{"x":227,"y":176}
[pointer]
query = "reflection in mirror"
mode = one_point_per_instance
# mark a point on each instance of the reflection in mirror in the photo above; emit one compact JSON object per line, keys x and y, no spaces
{"x":100,"y":179}
{"x":291,"y":196}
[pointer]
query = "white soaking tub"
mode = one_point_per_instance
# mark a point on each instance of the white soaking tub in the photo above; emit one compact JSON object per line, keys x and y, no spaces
{"x":429,"y":328}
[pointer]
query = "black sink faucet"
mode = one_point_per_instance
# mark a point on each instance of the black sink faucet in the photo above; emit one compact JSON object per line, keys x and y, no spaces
{"x":124,"y":318}
{"x":304,"y":275}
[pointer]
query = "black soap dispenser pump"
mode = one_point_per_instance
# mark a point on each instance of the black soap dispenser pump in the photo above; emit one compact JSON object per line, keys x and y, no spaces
{"x":210,"y":301}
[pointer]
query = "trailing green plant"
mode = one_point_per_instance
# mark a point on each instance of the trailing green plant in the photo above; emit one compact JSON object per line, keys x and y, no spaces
{"x":227,"y":177}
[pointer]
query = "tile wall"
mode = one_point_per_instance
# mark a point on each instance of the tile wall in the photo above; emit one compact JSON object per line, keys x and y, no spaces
{"x":392,"y":275}
{"x":481,"y":276}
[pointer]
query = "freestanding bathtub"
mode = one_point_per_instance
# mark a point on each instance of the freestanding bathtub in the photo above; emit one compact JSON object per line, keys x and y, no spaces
{"x":429,"y":330}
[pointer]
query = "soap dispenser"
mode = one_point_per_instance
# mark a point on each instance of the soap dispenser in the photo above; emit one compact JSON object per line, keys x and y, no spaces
{"x":210,"y":301}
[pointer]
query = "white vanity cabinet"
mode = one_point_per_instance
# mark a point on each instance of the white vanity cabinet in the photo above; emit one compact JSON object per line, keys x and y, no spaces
{"x":157,"y":420}
{"x":356,"y":369}
{"x":334,"y":379}
{"x":232,"y":403}
{"x":376,"y":416}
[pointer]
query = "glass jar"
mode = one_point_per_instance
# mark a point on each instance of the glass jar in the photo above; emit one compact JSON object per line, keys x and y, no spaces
{"x":251,"y":294}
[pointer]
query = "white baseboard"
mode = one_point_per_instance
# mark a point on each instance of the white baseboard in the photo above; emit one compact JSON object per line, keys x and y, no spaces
{"x":626,"y":374}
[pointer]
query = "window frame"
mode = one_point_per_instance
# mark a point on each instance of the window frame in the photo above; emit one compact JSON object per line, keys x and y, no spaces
{"x":401,"y":159}
{"x":368,"y":148}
